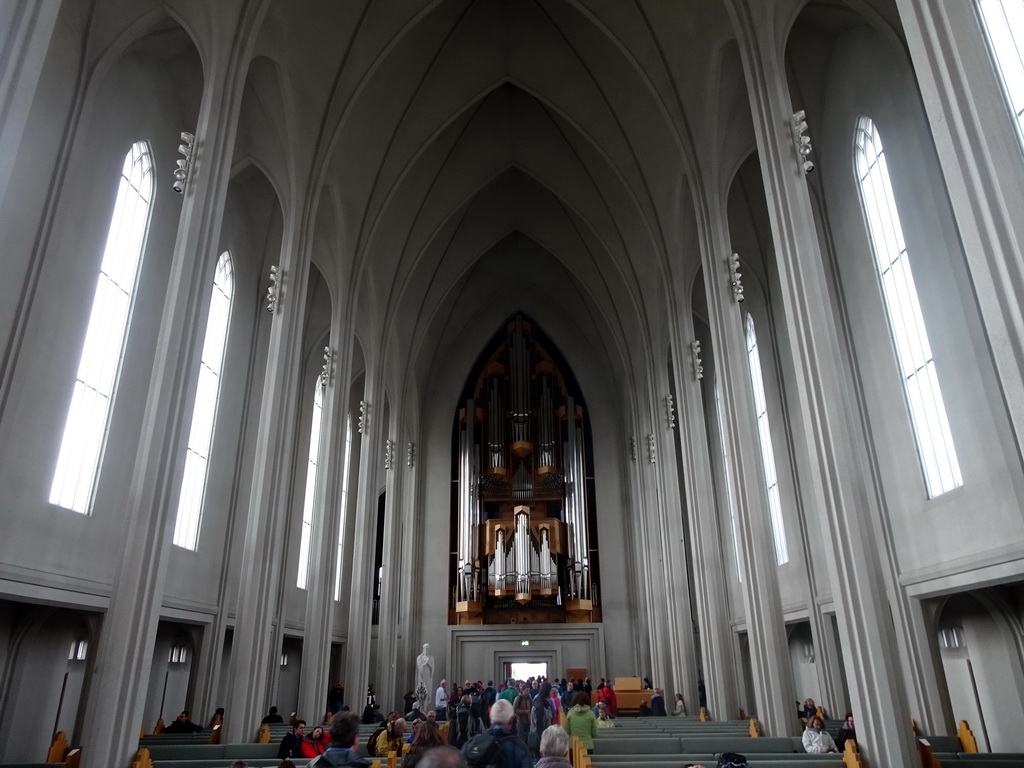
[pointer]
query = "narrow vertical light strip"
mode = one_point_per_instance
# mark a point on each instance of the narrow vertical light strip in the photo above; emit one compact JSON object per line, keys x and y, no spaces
{"x":74,"y":478}
{"x":1003,"y":23}
{"x":343,"y":504}
{"x":764,"y":432}
{"x":311,"y":472}
{"x":906,"y":322}
{"x":204,"y":411}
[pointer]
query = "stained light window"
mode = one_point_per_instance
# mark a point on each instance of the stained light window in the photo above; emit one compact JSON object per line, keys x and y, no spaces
{"x":204,"y":412}
{"x":74,"y":479}
{"x":906,"y":323}
{"x":764,"y":432}
{"x":1003,"y":22}
{"x":311,"y":471}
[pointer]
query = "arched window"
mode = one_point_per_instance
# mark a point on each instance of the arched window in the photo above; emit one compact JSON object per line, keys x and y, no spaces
{"x":343,"y":505}
{"x":204,"y":412}
{"x":74,"y":479}
{"x":1003,"y":22}
{"x":311,"y":469}
{"x":906,"y":323}
{"x":764,"y":432}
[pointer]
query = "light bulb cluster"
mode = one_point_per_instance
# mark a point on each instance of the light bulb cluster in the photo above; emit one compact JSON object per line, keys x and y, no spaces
{"x":185,"y":163}
{"x":802,"y":140}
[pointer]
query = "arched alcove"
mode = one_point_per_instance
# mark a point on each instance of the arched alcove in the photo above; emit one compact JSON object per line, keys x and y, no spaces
{"x":523,"y":532}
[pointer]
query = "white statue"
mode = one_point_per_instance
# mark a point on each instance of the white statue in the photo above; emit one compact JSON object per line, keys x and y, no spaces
{"x":425,"y":669}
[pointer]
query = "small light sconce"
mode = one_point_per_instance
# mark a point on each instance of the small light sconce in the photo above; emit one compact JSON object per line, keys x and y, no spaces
{"x":802,"y":140}
{"x":185,"y":164}
{"x":735,"y":278}
{"x":698,"y":367}
{"x":274,"y":291}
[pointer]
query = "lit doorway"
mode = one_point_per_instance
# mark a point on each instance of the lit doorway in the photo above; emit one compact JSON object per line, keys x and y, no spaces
{"x":524,"y":670}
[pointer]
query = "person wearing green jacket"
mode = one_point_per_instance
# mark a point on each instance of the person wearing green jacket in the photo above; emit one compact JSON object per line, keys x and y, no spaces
{"x":581,"y":721}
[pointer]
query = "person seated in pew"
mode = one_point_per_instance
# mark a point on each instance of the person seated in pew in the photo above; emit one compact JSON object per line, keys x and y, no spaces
{"x":286,"y":763}
{"x":292,"y":741}
{"x":315,"y":744}
{"x":644,"y":710}
{"x":272,"y":717}
{"x":816,"y":739}
{"x":182,"y":724}
{"x":392,"y":738}
{"x":679,"y":709}
{"x":344,"y":730}
{"x":425,"y":736}
{"x":806,"y":711}
{"x":604,"y":720}
{"x":846,"y":733}
{"x":238,"y":764}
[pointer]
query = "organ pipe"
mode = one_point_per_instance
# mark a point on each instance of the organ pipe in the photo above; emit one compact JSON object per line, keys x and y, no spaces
{"x":523,"y":548}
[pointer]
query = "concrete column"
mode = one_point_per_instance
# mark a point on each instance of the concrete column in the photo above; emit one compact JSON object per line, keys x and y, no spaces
{"x":394,"y":574}
{"x":678,"y":668}
{"x":326,"y":528}
{"x":979,"y":151}
{"x":769,"y":650}
{"x":820,"y":422}
{"x":124,"y":654}
{"x":28,"y":27}
{"x":359,"y":592}
{"x":709,"y":575}
{"x":258,"y":634}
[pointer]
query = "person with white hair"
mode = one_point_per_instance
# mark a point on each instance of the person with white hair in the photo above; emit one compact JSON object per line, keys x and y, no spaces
{"x":513,"y":751}
{"x":554,"y":748}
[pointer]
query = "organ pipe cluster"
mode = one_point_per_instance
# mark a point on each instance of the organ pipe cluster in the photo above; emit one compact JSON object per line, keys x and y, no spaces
{"x":523,"y":507}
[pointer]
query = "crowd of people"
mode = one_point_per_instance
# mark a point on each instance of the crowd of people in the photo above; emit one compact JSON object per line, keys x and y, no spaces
{"x":528,"y":722}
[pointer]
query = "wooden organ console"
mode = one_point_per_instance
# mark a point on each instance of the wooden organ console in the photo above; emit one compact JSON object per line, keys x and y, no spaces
{"x":524,"y":531}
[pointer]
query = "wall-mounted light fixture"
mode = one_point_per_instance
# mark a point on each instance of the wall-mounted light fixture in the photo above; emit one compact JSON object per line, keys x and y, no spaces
{"x":185,"y":164}
{"x":698,"y":367}
{"x":802,"y":140}
{"x":735,"y":278}
{"x":274,"y":291}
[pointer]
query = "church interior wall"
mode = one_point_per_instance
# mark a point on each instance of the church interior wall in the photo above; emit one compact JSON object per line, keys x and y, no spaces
{"x":991,"y":472}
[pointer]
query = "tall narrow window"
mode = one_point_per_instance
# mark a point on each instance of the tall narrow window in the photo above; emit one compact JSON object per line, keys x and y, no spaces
{"x":764,"y":432}
{"x":74,"y":480}
{"x":311,"y":466}
{"x":1003,"y":22}
{"x":343,"y":504}
{"x":204,"y":412}
{"x":906,"y":323}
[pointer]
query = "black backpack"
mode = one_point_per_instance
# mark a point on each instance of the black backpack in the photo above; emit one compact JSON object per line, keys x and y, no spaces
{"x":371,"y":743}
{"x":732,"y":760}
{"x":484,"y":751}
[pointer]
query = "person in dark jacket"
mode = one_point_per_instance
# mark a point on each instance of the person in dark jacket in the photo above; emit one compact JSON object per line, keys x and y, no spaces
{"x":183,"y":725}
{"x":503,"y":723}
{"x":292,"y":742}
{"x":344,"y":729}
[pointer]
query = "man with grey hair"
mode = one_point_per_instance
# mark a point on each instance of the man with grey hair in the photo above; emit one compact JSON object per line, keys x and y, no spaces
{"x":499,"y":738}
{"x":554,"y":748}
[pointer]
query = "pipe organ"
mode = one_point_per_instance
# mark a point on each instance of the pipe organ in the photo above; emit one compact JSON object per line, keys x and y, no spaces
{"x":523,"y":536}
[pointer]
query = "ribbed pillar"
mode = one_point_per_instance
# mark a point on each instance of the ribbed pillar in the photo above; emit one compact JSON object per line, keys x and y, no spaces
{"x":125,"y":648}
{"x":325,"y":529}
{"x":815,"y":387}
{"x":709,"y":575}
{"x":359,"y":590}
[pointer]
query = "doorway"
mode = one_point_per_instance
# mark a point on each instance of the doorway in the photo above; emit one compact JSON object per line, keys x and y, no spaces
{"x":524,"y":670}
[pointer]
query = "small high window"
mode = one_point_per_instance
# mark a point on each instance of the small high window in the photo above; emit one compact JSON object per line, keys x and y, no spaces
{"x":204,"y":411}
{"x":764,"y":433}
{"x":906,"y":323}
{"x":1003,"y":22}
{"x":311,"y":472}
{"x":74,"y":479}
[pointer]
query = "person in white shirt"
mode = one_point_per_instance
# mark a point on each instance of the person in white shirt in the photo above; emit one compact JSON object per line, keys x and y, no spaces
{"x":816,"y":739}
{"x":441,"y":701}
